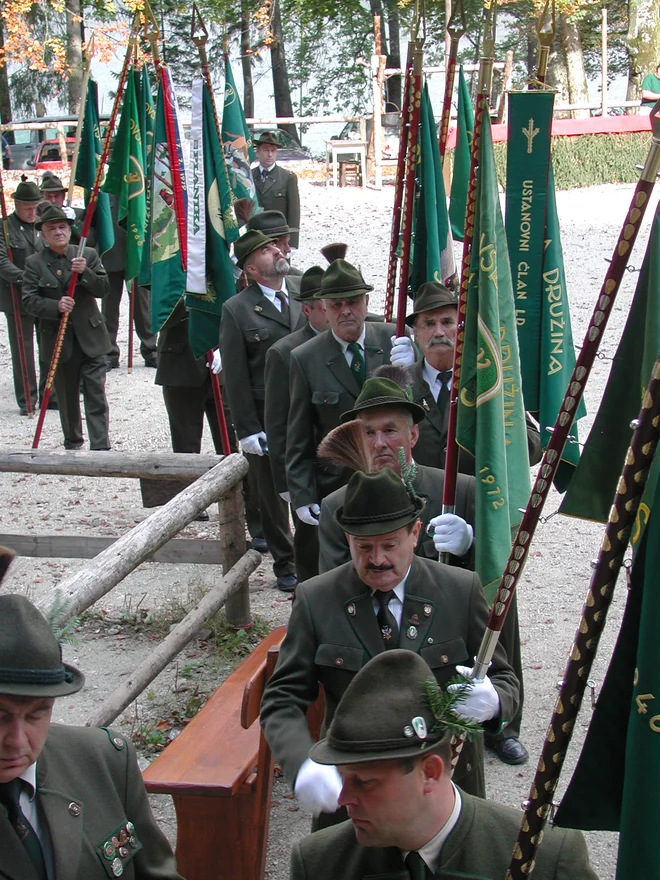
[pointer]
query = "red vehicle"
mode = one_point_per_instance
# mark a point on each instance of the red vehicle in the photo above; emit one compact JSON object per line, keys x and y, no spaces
{"x":48,"y":156}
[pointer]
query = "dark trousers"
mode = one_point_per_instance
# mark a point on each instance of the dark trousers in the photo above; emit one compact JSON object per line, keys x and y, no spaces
{"x":88,"y":372}
{"x":141,"y":317}
{"x":274,"y":515}
{"x":28,"y":323}
{"x":305,"y":549}
{"x":510,"y":639}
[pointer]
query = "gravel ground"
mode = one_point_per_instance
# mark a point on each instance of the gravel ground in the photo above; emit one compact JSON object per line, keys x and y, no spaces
{"x":124,"y":625}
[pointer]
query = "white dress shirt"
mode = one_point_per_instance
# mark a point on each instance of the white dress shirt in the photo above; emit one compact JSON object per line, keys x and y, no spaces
{"x":271,"y":294}
{"x":28,"y":802}
{"x":430,"y":852}
{"x":344,"y":346}
{"x":396,"y":602}
{"x":433,"y":380}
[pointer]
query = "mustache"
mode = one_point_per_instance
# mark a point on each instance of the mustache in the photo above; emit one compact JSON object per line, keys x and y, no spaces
{"x":372,"y":567}
{"x":441,"y":340}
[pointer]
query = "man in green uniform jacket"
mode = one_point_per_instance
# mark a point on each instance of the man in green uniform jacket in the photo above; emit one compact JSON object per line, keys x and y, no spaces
{"x":408,"y":820}
{"x":72,"y":802}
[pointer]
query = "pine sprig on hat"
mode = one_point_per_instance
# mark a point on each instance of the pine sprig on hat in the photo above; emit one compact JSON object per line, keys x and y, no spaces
{"x":443,"y":706}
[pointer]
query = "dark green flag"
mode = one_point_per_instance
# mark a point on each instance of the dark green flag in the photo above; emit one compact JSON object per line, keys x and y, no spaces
{"x":491,"y":416}
{"x":429,"y":257}
{"x":125,"y":179}
{"x":147,"y":110}
{"x":89,"y":156}
{"x":614,"y":785}
{"x":234,"y":126}
{"x":461,"y":173}
{"x":592,"y":487}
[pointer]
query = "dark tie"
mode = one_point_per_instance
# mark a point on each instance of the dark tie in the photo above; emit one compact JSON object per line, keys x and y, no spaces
{"x":389,"y":628}
{"x":284,"y":303}
{"x":264,"y":174}
{"x":10,"y":793}
{"x":444,"y":376}
{"x":357,"y":364}
{"x":416,"y":866}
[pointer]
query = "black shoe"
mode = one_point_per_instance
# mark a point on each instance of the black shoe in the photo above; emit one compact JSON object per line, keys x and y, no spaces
{"x":73,"y":446}
{"x":151,"y":362}
{"x":259,"y":544}
{"x":23,"y":410}
{"x":287,"y":583}
{"x":510,"y":750}
{"x":111,"y":365}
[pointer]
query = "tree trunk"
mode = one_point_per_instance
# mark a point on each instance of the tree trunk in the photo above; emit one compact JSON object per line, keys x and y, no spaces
{"x":5,"y":98}
{"x":577,"y":81}
{"x":393,"y":87}
{"x":246,"y":62}
{"x":642,"y":40}
{"x":281,"y":89}
{"x":74,"y":54}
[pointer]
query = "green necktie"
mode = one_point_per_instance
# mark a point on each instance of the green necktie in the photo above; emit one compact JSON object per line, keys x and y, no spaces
{"x":416,"y":866}
{"x":389,"y":628}
{"x":10,"y":793}
{"x":358,"y":365}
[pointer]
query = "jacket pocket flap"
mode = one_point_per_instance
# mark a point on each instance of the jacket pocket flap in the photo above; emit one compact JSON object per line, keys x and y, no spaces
{"x":47,"y":282}
{"x":329,"y":397}
{"x":449,"y":653}
{"x":257,"y":334}
{"x":96,"y":320}
{"x":339,"y":656}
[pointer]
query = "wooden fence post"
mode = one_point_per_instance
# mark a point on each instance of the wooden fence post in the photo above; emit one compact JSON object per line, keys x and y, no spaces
{"x":231,"y":522}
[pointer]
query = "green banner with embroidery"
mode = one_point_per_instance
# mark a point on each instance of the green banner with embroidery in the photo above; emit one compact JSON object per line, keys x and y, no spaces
{"x":461,"y":174}
{"x":527,"y":167}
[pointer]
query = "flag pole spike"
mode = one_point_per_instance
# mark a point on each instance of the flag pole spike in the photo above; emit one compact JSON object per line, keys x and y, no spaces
{"x":545,"y":31}
{"x":456,"y":27}
{"x":91,"y":206}
{"x":575,"y":679}
{"x":151,"y":32}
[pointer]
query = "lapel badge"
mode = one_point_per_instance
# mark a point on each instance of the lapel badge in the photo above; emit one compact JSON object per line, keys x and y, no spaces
{"x":258,"y":309}
{"x":58,"y":271}
{"x":408,"y":731}
{"x":425,"y":405}
{"x":117,"y":867}
{"x":415,"y":619}
{"x":419,"y":726}
{"x":351,"y":609}
{"x":412,"y":632}
{"x":428,"y":609}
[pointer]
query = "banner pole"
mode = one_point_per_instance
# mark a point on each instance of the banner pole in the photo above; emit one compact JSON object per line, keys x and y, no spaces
{"x":455,"y":31}
{"x":89,"y":53}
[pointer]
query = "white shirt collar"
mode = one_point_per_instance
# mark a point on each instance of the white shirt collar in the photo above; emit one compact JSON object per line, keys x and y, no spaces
{"x":262,"y":168}
{"x":30,"y":776}
{"x":271,"y":294}
{"x":344,"y":344}
{"x":430,"y":852}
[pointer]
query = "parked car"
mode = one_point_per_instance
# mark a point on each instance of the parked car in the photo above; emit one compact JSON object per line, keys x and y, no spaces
{"x":289,"y":150}
{"x":48,"y":156}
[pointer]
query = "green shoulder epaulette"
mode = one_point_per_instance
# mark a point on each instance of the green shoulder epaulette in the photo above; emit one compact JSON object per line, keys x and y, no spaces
{"x":117,"y":741}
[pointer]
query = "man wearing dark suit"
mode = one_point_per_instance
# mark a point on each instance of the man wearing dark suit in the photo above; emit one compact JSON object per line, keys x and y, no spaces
{"x":277,"y":188}
{"x":253,"y":321}
{"x":327,"y":374}
{"x":409,"y":821}
{"x":86,"y":343}
{"x":72,"y":802}
{"x":278,"y":362}
{"x":386,"y":597}
{"x":390,"y":422}
{"x":434,"y":324}
{"x":23,"y":241}
{"x":114,"y":262}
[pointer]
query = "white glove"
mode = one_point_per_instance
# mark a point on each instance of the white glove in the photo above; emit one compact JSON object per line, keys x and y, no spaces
{"x":317,"y":787}
{"x":255,"y":444}
{"x":403,"y":353}
{"x":309,"y":513}
{"x":481,"y":702}
{"x":451,"y":534}
{"x":286,"y":496}
{"x":216,"y":363}
{"x":69,"y":211}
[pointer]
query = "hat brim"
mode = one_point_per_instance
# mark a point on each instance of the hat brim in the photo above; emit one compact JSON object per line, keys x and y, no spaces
{"x":61,"y":689}
{"x":323,"y":752}
{"x":343,"y":294}
{"x":410,"y":319}
{"x":308,"y":296}
{"x":34,"y":201}
{"x":418,"y":412}
{"x":267,"y":144}
{"x":378,"y":526}
{"x":241,"y":262}
{"x":39,"y":222}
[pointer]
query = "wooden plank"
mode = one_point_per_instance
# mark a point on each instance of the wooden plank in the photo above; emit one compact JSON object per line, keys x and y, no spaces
{"x":183,"y":550}
{"x":156,"y":466}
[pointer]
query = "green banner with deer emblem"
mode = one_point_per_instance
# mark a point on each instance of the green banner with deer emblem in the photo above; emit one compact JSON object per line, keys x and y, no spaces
{"x":527,"y":167}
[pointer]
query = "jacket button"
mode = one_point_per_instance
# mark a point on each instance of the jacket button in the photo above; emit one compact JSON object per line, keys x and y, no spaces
{"x":445,"y":658}
{"x":74,"y":809}
{"x":429,"y":641}
{"x":339,"y":661}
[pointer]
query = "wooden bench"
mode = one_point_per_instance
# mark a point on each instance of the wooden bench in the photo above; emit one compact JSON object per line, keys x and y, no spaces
{"x":219,"y":771}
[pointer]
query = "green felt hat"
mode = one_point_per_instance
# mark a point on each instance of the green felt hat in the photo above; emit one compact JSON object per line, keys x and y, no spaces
{"x":52,"y":213}
{"x":431,"y":295}
{"x":379,"y":391}
{"x":342,"y":281}
{"x":30,"y":655}
{"x":310,"y":284}
{"x":377,"y":504}
{"x":383,"y":714}
{"x":51,"y":183}
{"x":27,"y":191}
{"x":247,"y":244}
{"x":268,"y":137}
{"x":271,"y":223}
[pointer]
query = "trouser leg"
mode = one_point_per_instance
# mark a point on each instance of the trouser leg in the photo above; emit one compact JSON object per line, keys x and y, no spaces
{"x":92,"y":372}
{"x":27,"y":325}
{"x":142,"y":319}
{"x":67,"y":385}
{"x":274,"y":516}
{"x":305,"y":549}
{"x":214,"y":424}
{"x":185,"y":412}
{"x":111,"y":304}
